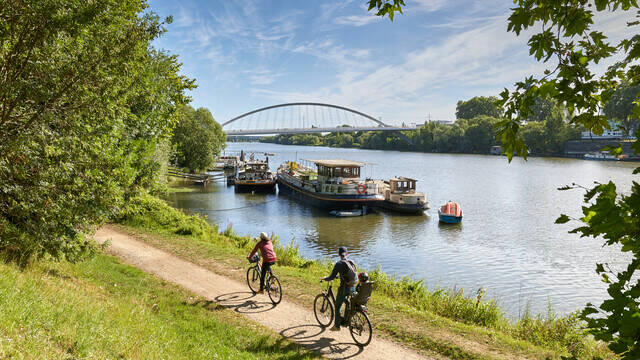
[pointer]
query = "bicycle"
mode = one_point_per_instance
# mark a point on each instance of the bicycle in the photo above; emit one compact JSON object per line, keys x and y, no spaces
{"x":355,"y":316}
{"x":271,"y":282}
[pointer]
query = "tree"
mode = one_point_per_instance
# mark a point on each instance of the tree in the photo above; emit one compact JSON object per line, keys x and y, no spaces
{"x":84,"y":102}
{"x":563,"y":33}
{"x":620,"y":107}
{"x":534,"y":136}
{"x":478,"y":106}
{"x":198,"y":138}
{"x":541,"y":109}
{"x":479,"y":135}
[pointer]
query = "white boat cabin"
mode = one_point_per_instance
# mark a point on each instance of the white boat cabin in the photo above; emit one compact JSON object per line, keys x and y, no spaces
{"x":402,"y":190}
{"x":337,"y":176}
{"x":255,"y":171}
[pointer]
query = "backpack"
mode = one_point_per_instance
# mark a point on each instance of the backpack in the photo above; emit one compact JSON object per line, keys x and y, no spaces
{"x":351,"y":277}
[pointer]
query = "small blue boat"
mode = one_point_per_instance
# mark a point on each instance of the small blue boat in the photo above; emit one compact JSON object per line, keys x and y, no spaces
{"x":450,"y":213}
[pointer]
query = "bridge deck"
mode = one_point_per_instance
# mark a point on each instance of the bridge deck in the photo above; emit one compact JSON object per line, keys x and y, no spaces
{"x":316,"y":130}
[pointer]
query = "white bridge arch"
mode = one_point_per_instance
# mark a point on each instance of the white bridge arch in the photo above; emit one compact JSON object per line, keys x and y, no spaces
{"x":305,"y":117}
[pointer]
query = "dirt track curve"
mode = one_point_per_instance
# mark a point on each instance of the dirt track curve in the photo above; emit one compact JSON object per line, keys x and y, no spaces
{"x":290,"y":320}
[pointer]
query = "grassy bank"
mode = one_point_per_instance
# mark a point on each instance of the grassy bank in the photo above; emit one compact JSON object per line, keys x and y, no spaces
{"x":441,"y":321}
{"x":102,"y":309}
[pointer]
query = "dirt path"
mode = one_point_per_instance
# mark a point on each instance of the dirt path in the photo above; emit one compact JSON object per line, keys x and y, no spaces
{"x":290,"y":320}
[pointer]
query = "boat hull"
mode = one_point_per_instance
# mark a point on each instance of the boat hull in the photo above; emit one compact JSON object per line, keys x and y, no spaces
{"x":328,"y":201}
{"x":416,"y":209}
{"x":449,"y":219}
{"x":245,"y":186}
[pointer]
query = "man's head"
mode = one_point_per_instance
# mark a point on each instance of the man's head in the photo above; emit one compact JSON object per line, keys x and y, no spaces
{"x":264,"y":236}
{"x":342,"y":251}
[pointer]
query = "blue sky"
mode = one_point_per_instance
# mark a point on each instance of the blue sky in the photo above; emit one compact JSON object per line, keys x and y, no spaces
{"x":246,"y":54}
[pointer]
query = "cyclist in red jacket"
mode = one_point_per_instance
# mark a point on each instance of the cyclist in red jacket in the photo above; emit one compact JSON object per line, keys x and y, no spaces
{"x":268,"y":256}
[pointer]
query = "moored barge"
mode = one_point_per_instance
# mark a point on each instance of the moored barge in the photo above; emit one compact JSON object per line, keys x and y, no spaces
{"x":400,"y":195}
{"x":335,"y":184}
{"x":255,"y":176}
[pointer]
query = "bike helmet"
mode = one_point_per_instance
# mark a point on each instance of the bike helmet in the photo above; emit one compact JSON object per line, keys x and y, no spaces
{"x":363,"y":277}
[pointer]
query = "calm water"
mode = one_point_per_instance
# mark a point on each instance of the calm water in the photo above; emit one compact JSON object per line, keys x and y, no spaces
{"x":508,"y":242}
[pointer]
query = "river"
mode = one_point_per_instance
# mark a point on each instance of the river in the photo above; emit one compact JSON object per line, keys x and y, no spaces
{"x":508,"y":242}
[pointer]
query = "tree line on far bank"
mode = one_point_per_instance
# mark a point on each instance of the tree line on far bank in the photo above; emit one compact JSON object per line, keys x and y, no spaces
{"x":473,"y":132}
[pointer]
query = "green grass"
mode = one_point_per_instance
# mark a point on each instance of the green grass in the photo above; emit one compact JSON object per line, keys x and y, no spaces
{"x":103,"y":309}
{"x":441,"y":321}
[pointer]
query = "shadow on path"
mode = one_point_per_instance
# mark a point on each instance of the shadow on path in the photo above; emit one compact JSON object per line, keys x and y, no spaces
{"x":310,"y":336}
{"x":244,"y":302}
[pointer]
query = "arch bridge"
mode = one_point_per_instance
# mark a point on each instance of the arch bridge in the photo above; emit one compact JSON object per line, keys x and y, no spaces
{"x":305,"y":118}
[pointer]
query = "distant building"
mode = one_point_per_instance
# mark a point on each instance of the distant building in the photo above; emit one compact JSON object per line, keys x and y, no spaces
{"x":608,"y":134}
{"x":443,"y":122}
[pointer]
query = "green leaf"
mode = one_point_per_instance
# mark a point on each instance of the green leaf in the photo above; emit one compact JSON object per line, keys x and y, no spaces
{"x":562,"y":219}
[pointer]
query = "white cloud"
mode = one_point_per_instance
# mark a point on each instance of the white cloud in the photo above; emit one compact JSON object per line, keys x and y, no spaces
{"x":356,"y":20}
{"x":425,"y":5}
{"x":262,"y":76}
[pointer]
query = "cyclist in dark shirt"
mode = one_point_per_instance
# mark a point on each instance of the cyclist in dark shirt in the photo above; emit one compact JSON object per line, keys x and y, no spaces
{"x":346,"y":288}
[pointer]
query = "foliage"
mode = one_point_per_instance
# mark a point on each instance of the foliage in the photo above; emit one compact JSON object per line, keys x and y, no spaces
{"x":616,"y":218}
{"x":548,"y":136}
{"x":198,"y":138}
{"x":478,"y":106}
{"x":566,"y":36}
{"x":152,"y":213}
{"x":386,"y":7}
{"x":620,"y":107}
{"x":542,"y":109}
{"x":474,"y":136}
{"x":84,"y":101}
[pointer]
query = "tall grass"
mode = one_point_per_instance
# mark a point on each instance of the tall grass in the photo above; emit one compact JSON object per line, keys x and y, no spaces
{"x":545,"y":330}
{"x":449,"y":303}
{"x":102,"y":309}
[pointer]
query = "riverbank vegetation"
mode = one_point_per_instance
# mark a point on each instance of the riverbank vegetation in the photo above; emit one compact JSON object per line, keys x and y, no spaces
{"x":197,"y":139}
{"x":473,"y":132}
{"x":109,"y":311}
{"x":454,"y":323}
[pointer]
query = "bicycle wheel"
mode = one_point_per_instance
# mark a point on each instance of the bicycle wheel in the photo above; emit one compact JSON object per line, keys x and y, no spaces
{"x":360,"y":328}
{"x":323,"y":309}
{"x":274,"y":289}
{"x":253,"y":279}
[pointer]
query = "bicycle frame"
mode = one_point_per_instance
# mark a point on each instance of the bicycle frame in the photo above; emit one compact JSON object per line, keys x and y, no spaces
{"x":347,"y":311}
{"x":258,"y":266}
{"x":329,"y":292}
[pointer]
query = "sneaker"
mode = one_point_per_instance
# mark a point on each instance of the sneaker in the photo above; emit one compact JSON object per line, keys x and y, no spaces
{"x":260,"y":292}
{"x":335,"y":328}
